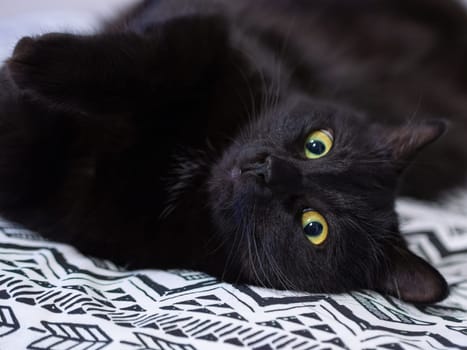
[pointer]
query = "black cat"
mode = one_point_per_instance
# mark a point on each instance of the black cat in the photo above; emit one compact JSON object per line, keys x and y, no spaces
{"x":260,"y":141}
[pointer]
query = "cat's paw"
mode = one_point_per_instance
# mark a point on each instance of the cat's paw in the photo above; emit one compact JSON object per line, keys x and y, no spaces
{"x":38,"y":63}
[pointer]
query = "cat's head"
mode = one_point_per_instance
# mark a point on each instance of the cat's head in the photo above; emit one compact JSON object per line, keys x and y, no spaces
{"x":304,"y":200}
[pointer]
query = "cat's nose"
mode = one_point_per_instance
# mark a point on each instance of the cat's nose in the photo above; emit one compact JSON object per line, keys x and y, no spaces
{"x":277,"y":173}
{"x":259,"y":167}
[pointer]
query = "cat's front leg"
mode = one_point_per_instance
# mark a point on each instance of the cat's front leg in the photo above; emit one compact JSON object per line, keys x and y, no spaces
{"x":116,"y":71}
{"x":75,"y":72}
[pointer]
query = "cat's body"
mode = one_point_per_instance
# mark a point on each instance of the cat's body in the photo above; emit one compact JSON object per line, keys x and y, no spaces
{"x":175,"y":137}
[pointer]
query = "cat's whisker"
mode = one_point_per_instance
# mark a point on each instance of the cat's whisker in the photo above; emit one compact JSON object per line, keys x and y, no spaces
{"x":221,"y":242}
{"x":251,"y":110}
{"x":229,"y":260}
{"x":270,"y":97}
{"x":278,"y":76}
{"x":251,"y":262}
{"x":258,"y":254}
{"x":248,"y":231}
{"x":264,"y":94}
{"x":417,"y":109}
{"x":273,"y":92}
{"x":375,"y":248}
{"x":264,"y":89}
{"x":283,"y":280}
{"x":254,"y":257}
{"x":230,"y":255}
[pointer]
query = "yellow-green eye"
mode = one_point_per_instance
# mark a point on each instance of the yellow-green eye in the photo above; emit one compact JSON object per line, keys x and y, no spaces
{"x":318,"y":144}
{"x":314,"y":226}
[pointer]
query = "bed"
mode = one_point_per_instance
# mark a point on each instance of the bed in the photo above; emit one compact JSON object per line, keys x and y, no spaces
{"x":52,"y":297}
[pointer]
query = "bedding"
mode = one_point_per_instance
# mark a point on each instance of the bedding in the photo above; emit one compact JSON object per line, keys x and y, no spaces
{"x":54,"y":298}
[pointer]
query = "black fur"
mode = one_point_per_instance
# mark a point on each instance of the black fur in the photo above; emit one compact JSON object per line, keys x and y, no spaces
{"x":174,"y":137}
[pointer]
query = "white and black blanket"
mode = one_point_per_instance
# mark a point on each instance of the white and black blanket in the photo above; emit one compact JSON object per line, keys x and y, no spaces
{"x":54,"y":298}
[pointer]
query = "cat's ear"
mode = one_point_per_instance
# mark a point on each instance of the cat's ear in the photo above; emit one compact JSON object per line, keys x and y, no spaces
{"x":406,"y":141}
{"x":118,"y":70}
{"x":411,"y":278}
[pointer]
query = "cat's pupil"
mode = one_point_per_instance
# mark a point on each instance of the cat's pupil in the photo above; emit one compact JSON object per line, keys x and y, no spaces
{"x":313,"y":229}
{"x":316,"y":147}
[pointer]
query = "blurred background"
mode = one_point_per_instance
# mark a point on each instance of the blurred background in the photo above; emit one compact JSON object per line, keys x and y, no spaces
{"x":25,"y":17}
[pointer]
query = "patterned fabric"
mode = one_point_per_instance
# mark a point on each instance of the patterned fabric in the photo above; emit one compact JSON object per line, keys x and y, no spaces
{"x":53,"y":298}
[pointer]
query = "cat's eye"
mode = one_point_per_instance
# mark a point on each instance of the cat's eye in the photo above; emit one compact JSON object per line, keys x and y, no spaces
{"x":314,"y":226}
{"x":318,"y":144}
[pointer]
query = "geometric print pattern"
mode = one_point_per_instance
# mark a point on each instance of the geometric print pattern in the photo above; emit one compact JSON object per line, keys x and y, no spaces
{"x":54,"y":298}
